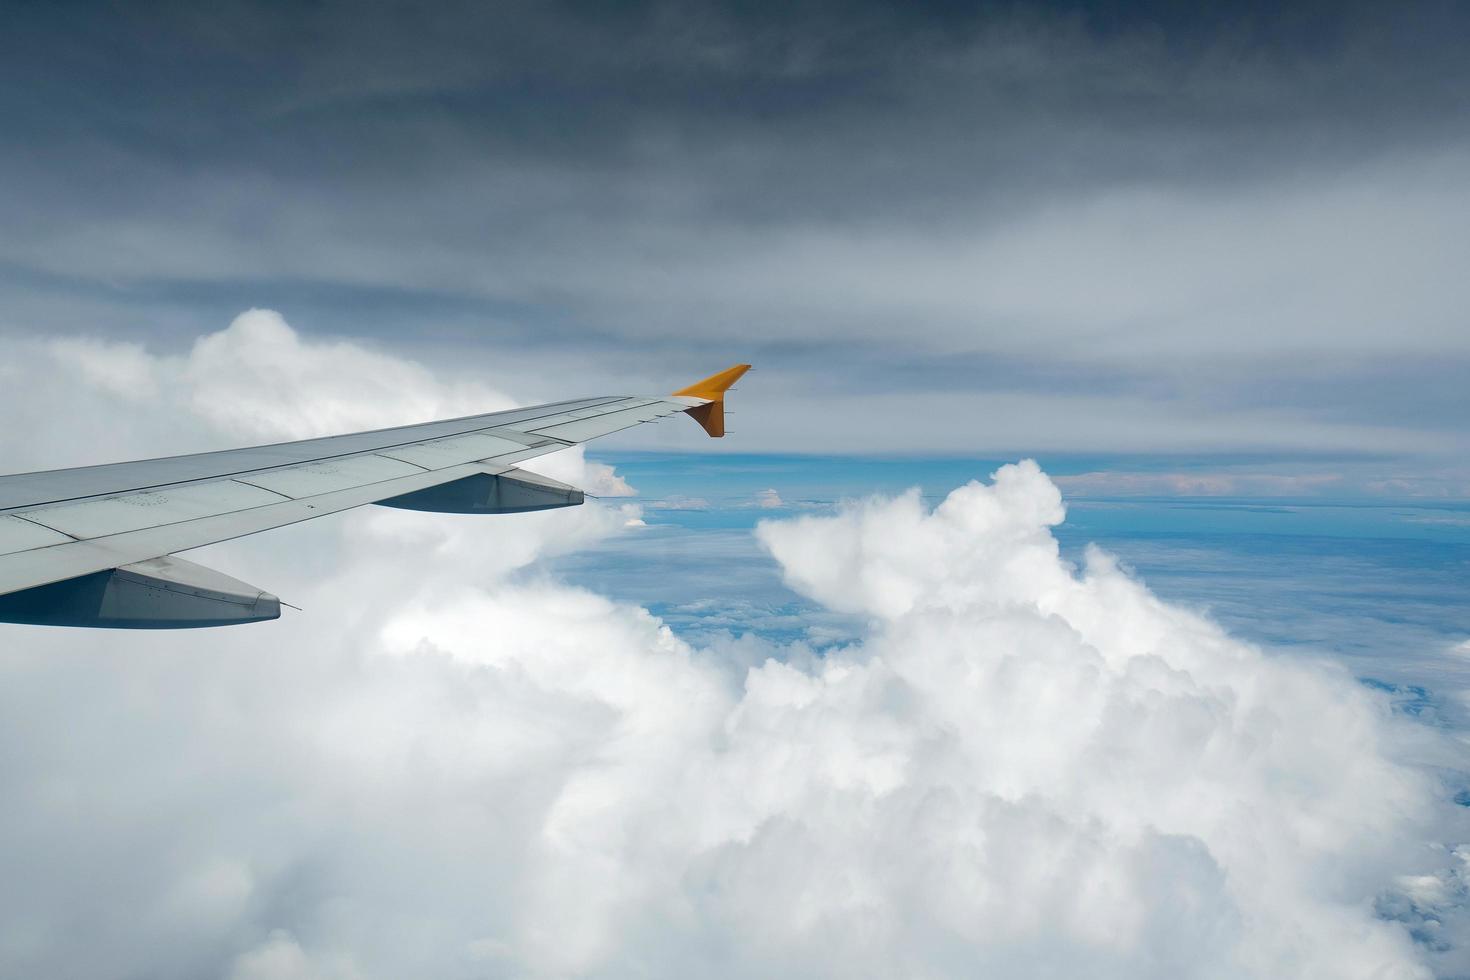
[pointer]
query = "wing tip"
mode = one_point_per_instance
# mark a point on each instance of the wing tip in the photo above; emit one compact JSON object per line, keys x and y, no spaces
{"x":715,"y":386}
{"x":711,"y":415}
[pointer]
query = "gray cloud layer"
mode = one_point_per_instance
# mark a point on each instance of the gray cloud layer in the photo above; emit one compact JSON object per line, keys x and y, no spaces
{"x":1099,"y":215}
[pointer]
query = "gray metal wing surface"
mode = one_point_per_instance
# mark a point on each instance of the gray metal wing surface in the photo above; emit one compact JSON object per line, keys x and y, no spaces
{"x":94,"y":545}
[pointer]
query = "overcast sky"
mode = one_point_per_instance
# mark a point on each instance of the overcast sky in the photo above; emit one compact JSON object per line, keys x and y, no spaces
{"x":1058,"y":227}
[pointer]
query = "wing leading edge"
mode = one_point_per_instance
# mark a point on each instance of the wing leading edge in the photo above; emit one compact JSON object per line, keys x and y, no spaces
{"x":94,"y":545}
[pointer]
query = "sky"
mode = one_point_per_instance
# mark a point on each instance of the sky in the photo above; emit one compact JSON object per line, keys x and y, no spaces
{"x":1136,"y":227}
{"x":1080,"y":590}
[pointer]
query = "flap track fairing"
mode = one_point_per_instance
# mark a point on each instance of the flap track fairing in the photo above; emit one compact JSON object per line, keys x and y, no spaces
{"x":160,"y":593}
{"x":513,"y":492}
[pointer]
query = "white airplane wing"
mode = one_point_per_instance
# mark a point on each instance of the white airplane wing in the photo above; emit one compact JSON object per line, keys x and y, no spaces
{"x":94,"y":546}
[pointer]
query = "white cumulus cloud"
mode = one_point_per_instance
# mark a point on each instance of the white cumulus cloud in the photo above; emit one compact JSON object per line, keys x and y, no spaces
{"x":454,"y":765}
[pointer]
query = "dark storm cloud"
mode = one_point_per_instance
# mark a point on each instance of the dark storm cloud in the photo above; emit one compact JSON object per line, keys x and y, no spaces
{"x":747,"y":114}
{"x":1157,"y":200}
{"x":309,"y":87}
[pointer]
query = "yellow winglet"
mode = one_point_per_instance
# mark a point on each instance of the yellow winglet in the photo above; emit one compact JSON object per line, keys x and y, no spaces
{"x":711,"y":414}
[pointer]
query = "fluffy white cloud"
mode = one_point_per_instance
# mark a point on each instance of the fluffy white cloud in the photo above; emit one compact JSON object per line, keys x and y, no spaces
{"x":1205,"y":793}
{"x":80,"y":400}
{"x":452,"y":765}
{"x":259,"y":379}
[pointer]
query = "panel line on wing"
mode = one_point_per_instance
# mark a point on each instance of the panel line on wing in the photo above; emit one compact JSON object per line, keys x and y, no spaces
{"x":97,"y":517}
{"x":18,"y":534}
{"x":387,"y":454}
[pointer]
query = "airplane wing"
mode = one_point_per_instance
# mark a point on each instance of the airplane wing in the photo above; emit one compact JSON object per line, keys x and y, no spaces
{"x":94,"y":546}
